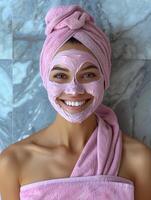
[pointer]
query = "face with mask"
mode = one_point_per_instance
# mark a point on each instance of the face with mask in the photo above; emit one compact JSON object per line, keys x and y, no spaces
{"x":75,"y":84}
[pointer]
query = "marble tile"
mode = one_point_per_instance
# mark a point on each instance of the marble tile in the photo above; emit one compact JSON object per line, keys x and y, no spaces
{"x":31,"y":109}
{"x":5,"y":30}
{"x":127,"y":23}
{"x":6,"y":103}
{"x":129,"y":95}
{"x":27,"y":50}
{"x":134,"y":42}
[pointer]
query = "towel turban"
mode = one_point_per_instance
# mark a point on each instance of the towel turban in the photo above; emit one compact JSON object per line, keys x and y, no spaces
{"x":64,"y":22}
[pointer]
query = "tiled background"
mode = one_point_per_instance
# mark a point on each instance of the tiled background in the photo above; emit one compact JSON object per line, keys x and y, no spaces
{"x":24,"y":107}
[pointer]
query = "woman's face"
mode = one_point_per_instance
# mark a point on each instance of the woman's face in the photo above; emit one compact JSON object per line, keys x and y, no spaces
{"x":87,"y":73}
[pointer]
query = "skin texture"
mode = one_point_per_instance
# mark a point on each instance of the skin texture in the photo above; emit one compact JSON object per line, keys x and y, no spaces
{"x":51,"y":149}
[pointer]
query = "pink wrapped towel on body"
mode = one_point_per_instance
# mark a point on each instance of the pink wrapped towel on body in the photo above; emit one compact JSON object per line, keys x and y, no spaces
{"x":95,"y":174}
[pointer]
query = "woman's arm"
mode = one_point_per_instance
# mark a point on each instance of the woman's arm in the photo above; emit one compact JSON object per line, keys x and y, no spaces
{"x":9,"y":183}
{"x":142,"y":169}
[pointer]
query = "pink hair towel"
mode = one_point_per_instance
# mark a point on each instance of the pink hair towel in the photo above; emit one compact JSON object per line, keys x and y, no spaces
{"x":95,"y":174}
{"x":65,"y":22}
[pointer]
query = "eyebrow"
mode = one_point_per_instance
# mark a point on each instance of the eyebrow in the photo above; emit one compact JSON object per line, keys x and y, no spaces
{"x":60,"y":68}
{"x":89,"y":67}
{"x":65,"y":69}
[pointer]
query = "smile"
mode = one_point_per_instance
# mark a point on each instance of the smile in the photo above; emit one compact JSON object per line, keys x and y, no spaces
{"x":74,"y":105}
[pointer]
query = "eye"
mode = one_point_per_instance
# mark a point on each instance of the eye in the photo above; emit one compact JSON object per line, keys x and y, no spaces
{"x":89,"y":75}
{"x":60,"y":76}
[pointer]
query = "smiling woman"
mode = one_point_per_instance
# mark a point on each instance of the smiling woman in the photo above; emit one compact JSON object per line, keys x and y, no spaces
{"x":83,"y":154}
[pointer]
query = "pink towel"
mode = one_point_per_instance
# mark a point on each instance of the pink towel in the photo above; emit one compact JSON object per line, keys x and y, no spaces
{"x":94,"y":176}
{"x":64,"y":22}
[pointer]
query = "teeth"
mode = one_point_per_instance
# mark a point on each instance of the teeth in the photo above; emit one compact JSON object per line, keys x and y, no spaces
{"x":75,"y":103}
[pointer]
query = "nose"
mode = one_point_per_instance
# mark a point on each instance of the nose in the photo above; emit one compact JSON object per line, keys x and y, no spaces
{"x":74,"y":89}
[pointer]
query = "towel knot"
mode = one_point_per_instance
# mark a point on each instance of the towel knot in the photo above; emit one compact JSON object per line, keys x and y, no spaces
{"x":75,"y":20}
{"x":64,"y":22}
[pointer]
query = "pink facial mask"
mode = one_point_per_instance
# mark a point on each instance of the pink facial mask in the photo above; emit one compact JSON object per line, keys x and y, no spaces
{"x":73,"y":60}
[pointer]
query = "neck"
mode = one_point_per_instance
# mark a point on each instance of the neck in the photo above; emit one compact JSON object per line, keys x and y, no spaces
{"x":74,"y":135}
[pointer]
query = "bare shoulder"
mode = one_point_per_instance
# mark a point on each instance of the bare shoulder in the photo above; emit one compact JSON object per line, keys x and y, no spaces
{"x":18,"y":149}
{"x":138,"y":158}
{"x":9,"y":174}
{"x":10,"y":160}
{"x":136,"y":149}
{"x":14,"y":155}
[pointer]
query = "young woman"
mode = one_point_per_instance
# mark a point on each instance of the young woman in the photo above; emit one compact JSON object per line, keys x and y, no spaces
{"x":83,"y":154}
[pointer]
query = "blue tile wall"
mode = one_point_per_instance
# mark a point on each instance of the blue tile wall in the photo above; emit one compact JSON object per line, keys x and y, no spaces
{"x":24,"y":106}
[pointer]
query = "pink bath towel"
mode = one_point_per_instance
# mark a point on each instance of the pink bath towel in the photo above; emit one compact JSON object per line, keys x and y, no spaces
{"x":94,"y":176}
